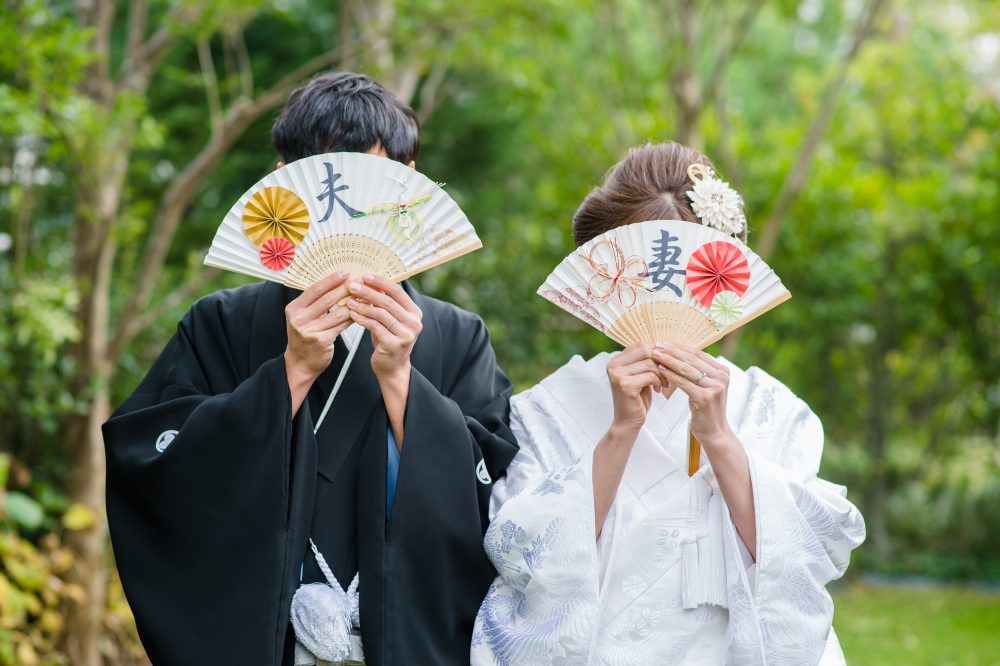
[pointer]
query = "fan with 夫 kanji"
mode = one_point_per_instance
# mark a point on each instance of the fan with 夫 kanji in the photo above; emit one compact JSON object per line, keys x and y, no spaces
{"x":665,"y":281}
{"x":328,"y":212}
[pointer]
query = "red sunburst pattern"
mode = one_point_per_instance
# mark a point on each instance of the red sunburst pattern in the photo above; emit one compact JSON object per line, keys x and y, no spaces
{"x":277,"y":253}
{"x":714,"y":267}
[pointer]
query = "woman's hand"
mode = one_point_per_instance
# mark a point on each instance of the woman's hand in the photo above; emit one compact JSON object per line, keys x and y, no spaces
{"x":706,"y":383}
{"x":634,"y":375}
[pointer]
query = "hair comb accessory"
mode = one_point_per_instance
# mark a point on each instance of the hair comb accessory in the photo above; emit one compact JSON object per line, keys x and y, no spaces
{"x":715,"y":203}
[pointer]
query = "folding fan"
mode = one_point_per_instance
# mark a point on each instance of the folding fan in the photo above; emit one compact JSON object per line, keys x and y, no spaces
{"x":665,"y":281}
{"x":323,"y":213}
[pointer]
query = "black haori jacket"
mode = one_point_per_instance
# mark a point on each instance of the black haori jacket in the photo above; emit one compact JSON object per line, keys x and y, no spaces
{"x":214,"y":489}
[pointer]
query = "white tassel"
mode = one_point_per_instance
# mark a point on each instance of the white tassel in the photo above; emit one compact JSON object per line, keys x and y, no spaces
{"x":703,"y":560}
{"x":323,"y":615}
{"x":690,"y":590}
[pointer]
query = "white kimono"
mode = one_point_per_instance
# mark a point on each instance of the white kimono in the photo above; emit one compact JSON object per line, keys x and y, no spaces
{"x":669,"y":581}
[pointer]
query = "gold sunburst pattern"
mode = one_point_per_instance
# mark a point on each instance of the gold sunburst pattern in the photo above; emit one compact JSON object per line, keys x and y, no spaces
{"x":275,"y":212}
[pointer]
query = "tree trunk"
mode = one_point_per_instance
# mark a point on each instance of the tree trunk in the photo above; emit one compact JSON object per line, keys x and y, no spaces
{"x":98,"y":197}
{"x":687,"y":85}
{"x":84,"y":619}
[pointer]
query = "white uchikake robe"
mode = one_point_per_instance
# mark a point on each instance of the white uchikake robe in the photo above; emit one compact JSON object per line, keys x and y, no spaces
{"x":669,"y":581}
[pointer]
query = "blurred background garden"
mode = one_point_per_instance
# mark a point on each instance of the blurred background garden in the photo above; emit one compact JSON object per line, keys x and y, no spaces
{"x":863,"y":135}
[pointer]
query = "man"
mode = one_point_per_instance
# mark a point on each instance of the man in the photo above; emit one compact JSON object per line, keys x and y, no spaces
{"x":217,"y":480}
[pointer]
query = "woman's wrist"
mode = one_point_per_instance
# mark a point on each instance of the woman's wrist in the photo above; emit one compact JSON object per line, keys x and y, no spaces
{"x":622,"y":433}
{"x":722,"y":443}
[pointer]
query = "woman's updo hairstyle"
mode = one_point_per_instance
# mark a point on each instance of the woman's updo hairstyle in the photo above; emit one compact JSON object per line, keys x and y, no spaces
{"x":651,"y":183}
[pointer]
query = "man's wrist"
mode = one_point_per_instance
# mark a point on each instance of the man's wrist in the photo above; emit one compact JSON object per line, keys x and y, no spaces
{"x":396,"y":381}
{"x":297,"y":375}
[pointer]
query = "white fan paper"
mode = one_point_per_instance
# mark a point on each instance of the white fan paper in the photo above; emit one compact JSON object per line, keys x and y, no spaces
{"x":320,"y":214}
{"x":664,"y":281}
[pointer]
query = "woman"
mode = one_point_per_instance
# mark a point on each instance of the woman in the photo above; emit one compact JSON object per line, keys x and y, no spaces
{"x":608,"y":553}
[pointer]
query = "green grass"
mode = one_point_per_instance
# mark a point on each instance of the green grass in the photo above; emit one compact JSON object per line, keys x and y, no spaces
{"x":914,"y":626}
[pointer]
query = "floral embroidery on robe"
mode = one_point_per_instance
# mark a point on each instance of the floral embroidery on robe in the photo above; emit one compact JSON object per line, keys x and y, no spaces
{"x":669,"y":581}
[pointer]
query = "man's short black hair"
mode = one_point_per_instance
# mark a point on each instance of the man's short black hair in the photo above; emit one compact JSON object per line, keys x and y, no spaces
{"x":349,"y":112}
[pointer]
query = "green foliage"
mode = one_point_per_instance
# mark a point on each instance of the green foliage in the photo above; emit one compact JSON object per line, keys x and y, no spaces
{"x":36,"y":326}
{"x":23,"y":510}
{"x":34,"y":592}
{"x":892,"y":252}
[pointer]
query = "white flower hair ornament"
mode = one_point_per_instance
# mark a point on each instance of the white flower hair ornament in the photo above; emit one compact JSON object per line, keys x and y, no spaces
{"x":717,"y":204}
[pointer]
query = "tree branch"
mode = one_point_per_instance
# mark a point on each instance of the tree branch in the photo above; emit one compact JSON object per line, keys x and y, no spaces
{"x":737,"y":36}
{"x":138,"y":12}
{"x":243,"y":58}
{"x":731,"y":167}
{"x":185,"y":185}
{"x":405,"y":81}
{"x":434,"y":89}
{"x":687,"y":89}
{"x":797,"y":176}
{"x":98,"y":16}
{"x":346,"y":19}
{"x":211,"y":82}
{"x":140,"y":323}
{"x":137,"y":70}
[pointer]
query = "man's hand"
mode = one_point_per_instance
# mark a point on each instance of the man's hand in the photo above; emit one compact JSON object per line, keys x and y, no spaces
{"x":394,"y":320}
{"x":312,"y":329}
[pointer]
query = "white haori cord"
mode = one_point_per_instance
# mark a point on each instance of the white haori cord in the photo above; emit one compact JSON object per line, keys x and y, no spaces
{"x":324,"y":616}
{"x":351,"y":338}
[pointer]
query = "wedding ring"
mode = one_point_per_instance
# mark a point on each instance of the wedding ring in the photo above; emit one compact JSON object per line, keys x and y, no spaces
{"x":703,"y":375}
{"x":393,"y":324}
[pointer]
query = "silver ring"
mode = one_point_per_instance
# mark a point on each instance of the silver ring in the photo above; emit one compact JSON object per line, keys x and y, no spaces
{"x":703,"y":375}
{"x":393,"y":324}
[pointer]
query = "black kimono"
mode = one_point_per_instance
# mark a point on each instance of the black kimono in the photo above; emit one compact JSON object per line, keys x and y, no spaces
{"x":214,"y":490}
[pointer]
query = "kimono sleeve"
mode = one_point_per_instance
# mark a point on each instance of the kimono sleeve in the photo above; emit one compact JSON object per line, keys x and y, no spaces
{"x":806,"y":530}
{"x":456,"y":441}
{"x":198,"y":498}
{"x":542,"y":542}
